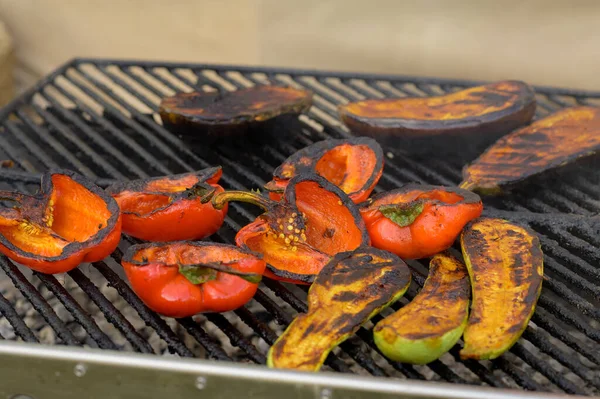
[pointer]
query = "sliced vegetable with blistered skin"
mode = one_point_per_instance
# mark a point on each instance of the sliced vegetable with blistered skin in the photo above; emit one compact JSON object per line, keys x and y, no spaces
{"x":416,"y":221}
{"x":505,"y":264}
{"x":70,"y":221}
{"x":170,"y":208}
{"x":354,"y":165}
{"x":547,"y":144}
{"x":433,"y":321}
{"x":210,"y":115}
{"x":351,"y":288}
{"x":299,"y":235}
{"x":181,"y":279}
{"x":473,"y":117}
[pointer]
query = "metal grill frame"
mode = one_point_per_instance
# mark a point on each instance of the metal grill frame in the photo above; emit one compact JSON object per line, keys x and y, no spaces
{"x":565,"y":214}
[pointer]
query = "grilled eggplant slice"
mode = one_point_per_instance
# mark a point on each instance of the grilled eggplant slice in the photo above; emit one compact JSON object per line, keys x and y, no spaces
{"x":468,"y":119}
{"x":545,"y":145}
{"x":505,"y":264}
{"x":433,"y":321}
{"x":351,"y":288}
{"x":210,"y":115}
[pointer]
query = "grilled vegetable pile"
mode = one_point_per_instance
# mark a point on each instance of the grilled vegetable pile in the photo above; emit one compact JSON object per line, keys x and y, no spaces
{"x":321,"y":226}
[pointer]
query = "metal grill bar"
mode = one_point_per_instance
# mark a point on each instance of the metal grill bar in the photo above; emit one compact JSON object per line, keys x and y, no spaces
{"x":111,"y":134}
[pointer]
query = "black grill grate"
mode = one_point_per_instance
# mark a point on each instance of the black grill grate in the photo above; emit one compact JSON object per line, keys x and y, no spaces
{"x":98,"y":117}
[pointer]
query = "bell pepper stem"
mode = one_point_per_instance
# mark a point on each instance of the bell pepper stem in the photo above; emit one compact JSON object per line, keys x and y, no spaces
{"x":223,"y":268}
{"x":201,"y":190}
{"x":219,"y":200}
{"x":467,"y":185}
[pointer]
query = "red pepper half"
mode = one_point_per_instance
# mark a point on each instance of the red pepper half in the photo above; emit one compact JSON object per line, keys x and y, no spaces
{"x":70,"y":221}
{"x":417,"y":221}
{"x":181,"y":279}
{"x":170,"y":208}
{"x":355,"y":165}
{"x":299,"y":235}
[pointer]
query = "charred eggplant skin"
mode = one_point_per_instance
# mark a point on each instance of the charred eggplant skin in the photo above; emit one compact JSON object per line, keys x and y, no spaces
{"x":212,"y":115}
{"x":351,"y":288}
{"x":468,"y":119}
{"x":433,"y":321}
{"x":549,"y":144}
{"x":505,"y":264}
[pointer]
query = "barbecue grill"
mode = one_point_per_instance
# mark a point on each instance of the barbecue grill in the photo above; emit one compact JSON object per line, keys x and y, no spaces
{"x":98,"y":117}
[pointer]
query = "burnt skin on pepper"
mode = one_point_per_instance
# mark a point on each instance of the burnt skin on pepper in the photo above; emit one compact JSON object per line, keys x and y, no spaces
{"x":70,"y":221}
{"x":417,"y":221}
{"x":170,"y":208}
{"x":181,"y":279}
{"x":298,"y":235}
{"x":354,"y":165}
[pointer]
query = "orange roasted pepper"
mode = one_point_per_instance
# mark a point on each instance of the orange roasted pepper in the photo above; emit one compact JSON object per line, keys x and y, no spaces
{"x":170,"y":208}
{"x":180,"y":279}
{"x":299,"y":235}
{"x":354,"y":165}
{"x":70,"y":221}
{"x":417,"y":221}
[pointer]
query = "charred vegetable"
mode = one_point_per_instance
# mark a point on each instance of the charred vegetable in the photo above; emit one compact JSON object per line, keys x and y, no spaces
{"x":181,"y":279}
{"x":170,"y":208}
{"x":352,"y":288}
{"x":416,"y":221}
{"x":433,"y":321}
{"x":505,"y":264}
{"x":354,"y":165}
{"x":69,"y":222}
{"x":208,"y":115}
{"x":547,"y":144}
{"x":477,"y":116}
{"x":299,"y":235}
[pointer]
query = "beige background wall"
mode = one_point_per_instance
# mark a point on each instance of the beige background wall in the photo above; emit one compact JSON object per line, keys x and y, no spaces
{"x":548,"y":42}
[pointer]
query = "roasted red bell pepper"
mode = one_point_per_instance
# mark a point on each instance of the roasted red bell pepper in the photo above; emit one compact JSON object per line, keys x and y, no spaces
{"x":70,"y":221}
{"x":417,"y":221}
{"x":355,"y":165}
{"x":180,"y":279}
{"x":299,"y":235}
{"x":170,"y":208}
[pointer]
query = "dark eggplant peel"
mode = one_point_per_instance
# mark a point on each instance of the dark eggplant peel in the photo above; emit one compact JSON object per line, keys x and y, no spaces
{"x":170,"y":208}
{"x":354,"y":165}
{"x":477,"y":116}
{"x":547,"y":144}
{"x":208,"y":115}
{"x":416,"y":220}
{"x":70,"y":221}
{"x":433,"y":321}
{"x":351,"y":288}
{"x":506,"y":268}
{"x":298,"y":235}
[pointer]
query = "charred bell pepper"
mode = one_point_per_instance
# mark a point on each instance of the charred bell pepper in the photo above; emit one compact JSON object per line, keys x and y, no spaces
{"x":417,"y":221}
{"x":70,"y":221}
{"x":170,"y":208}
{"x":352,"y":288}
{"x":354,"y":165}
{"x":183,"y":278}
{"x":299,"y":235}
